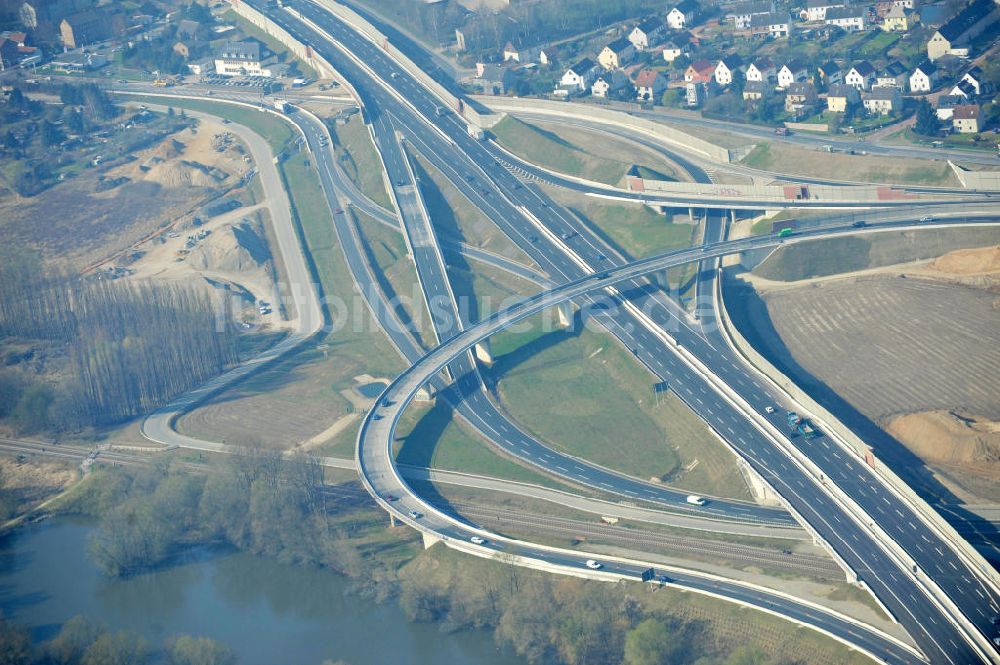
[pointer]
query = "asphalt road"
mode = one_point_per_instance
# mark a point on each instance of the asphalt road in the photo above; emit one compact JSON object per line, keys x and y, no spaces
{"x":813,"y":504}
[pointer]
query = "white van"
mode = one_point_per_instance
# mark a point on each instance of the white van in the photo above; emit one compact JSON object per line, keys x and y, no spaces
{"x":695,"y":500}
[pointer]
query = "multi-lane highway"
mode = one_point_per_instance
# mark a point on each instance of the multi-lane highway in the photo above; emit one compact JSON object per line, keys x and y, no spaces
{"x":730,"y":399}
{"x":817,"y":502}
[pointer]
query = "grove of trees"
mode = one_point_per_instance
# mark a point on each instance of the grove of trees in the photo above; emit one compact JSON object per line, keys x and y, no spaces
{"x":130,"y":346}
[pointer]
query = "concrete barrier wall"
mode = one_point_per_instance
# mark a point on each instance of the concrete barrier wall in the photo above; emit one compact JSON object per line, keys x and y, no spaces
{"x":317,"y":62}
{"x":670,"y":135}
{"x":830,"y":423}
{"x":808,"y":127}
{"x":986,"y":180}
{"x":448,"y":99}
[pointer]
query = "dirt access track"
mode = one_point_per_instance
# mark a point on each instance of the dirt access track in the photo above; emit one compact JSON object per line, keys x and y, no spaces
{"x":911,"y":348}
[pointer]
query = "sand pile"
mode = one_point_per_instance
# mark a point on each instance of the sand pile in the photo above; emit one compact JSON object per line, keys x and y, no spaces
{"x":949,"y":438}
{"x":240,"y":248}
{"x":968,"y":261}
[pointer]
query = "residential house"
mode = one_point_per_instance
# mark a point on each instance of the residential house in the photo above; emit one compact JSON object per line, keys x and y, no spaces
{"x":240,"y":59}
{"x":830,"y":73}
{"x":882,"y":101}
{"x":649,"y":33}
{"x":840,"y":97}
{"x":955,"y":36}
{"x":613,"y":84}
{"x":892,"y":75}
{"x":33,"y":13}
{"x":617,"y":54}
{"x":675,"y":48}
{"x":815,"y":10}
{"x":681,"y":15}
{"x":494,"y":79}
{"x":756,"y":90}
{"x":792,"y":72}
{"x":743,"y":12}
{"x":800,"y":98}
{"x":578,"y":78}
{"x":774,"y":24}
{"x":924,"y":78}
{"x":898,"y":19}
{"x":964,"y":89}
{"x":547,"y":55}
{"x":851,"y":18}
{"x":84,"y":28}
{"x":700,"y":71}
{"x":761,"y":70}
{"x":946,"y":105}
{"x":965,"y":119}
{"x":650,"y":85}
{"x":511,"y":52}
{"x":727,"y":69}
{"x":9,"y":53}
{"x":187,"y":29}
{"x":974,"y":77}
{"x":861,"y":76}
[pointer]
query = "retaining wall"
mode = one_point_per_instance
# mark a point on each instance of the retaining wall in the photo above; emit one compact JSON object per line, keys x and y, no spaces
{"x":662,"y":132}
{"x":987,"y":180}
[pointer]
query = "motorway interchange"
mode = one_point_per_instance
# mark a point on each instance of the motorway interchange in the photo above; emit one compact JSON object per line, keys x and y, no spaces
{"x":940,"y":595}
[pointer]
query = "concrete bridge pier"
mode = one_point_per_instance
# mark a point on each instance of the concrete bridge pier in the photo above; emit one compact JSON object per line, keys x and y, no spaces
{"x":430,"y":540}
{"x":484,"y":352}
{"x":564,"y":315}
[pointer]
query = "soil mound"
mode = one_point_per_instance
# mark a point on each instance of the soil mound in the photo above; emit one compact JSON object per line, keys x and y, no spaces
{"x":968,"y":261}
{"x":239,"y":248}
{"x":950,"y":438}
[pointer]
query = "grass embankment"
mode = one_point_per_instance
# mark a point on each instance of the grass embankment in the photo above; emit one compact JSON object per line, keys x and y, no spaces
{"x":821,"y":258}
{"x":783,"y":158}
{"x":456,"y":218}
{"x":397,"y":275}
{"x":585,"y":395}
{"x":356,"y":152}
{"x":595,"y":157}
{"x":636,"y":229}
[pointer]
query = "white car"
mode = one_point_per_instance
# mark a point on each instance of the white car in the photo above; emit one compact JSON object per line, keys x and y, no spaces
{"x":768,"y":409}
{"x":477,"y":540}
{"x":594,"y":565}
{"x":414,"y":515}
{"x":926,"y":218}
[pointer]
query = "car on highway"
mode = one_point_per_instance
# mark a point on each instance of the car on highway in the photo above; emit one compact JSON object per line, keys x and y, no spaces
{"x":477,"y":540}
{"x":338,"y":211}
{"x":926,"y":218}
{"x":695,"y":500}
{"x":860,"y":224}
{"x":414,"y":515}
{"x":391,"y":497}
{"x":768,"y":409}
{"x":594,"y":565}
